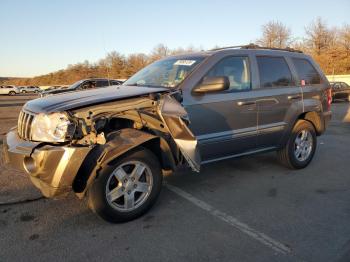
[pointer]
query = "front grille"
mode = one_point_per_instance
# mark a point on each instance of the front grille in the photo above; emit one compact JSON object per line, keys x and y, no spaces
{"x":25,"y":125}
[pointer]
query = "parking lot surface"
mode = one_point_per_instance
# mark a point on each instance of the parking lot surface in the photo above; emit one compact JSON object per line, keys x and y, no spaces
{"x":247,"y":209}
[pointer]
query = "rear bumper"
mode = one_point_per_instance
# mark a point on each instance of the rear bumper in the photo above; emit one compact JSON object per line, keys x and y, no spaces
{"x":51,"y":169}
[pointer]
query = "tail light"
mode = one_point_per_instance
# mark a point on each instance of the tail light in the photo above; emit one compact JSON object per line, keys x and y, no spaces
{"x":329,"y":98}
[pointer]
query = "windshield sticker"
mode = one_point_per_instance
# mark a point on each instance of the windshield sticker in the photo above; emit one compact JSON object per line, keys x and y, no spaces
{"x":185,"y":62}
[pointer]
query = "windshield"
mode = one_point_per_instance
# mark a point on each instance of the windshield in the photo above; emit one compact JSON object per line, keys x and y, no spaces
{"x":164,"y":73}
{"x":75,"y":85}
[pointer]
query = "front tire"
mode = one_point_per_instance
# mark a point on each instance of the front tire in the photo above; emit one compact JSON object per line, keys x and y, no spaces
{"x":301,"y":146}
{"x":128,"y":188}
{"x":12,"y":93}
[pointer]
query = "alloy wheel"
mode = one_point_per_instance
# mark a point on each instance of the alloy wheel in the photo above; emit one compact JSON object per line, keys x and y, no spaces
{"x":303,"y":145}
{"x":129,"y":186}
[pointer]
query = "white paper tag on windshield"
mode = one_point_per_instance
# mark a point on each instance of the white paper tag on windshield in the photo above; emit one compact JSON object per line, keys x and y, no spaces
{"x":185,"y":62}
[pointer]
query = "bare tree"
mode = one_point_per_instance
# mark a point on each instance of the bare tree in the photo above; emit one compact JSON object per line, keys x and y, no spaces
{"x":319,"y":38}
{"x":275,"y":34}
{"x":159,"y":52}
{"x":344,"y":38}
{"x":134,"y":63}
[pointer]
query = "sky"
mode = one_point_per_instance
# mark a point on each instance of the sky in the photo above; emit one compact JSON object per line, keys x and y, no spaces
{"x":41,"y":36}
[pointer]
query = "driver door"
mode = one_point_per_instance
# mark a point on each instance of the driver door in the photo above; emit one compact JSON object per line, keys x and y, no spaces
{"x":225,"y":122}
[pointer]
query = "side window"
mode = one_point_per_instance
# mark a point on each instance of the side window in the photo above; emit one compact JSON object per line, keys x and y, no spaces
{"x":89,"y":85}
{"x":274,"y":71}
{"x":236,"y":69}
{"x":306,"y":71}
{"x":113,"y":82}
{"x":102,"y":83}
{"x":344,"y":86}
{"x":84,"y":85}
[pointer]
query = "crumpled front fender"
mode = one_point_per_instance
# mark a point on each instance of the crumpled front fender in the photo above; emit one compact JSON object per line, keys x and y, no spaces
{"x":174,"y":116}
{"x":118,"y":143}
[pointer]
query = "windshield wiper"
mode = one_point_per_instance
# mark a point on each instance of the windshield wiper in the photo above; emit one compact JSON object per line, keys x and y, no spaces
{"x":145,"y":85}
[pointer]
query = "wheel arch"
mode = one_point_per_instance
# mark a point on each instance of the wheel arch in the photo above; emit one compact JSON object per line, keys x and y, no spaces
{"x":118,"y":144}
{"x":315,"y":119}
{"x":311,"y":116}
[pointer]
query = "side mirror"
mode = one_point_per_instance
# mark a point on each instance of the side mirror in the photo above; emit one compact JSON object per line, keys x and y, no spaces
{"x":212,"y":84}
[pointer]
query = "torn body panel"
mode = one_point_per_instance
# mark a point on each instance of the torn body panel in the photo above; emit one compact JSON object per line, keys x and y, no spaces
{"x":165,"y":115}
{"x":173,"y":115}
{"x":103,"y":133}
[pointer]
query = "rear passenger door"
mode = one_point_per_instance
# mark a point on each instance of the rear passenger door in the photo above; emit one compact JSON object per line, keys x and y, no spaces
{"x":278,"y":94}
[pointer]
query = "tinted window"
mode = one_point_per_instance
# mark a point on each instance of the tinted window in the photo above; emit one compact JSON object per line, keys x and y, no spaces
{"x":102,"y":83}
{"x":345,"y":85}
{"x":274,"y":71}
{"x":89,"y":85}
{"x":306,"y":71}
{"x":336,"y":86}
{"x":236,"y":69}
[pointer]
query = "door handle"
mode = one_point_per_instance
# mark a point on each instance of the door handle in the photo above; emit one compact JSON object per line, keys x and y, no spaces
{"x":294,"y":97}
{"x":246,"y":103}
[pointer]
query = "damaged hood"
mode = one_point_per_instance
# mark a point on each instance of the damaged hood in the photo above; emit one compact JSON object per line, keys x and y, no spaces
{"x":72,"y":100}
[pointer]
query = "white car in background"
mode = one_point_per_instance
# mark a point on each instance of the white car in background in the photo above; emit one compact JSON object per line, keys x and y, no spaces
{"x":8,"y":90}
{"x":30,"y":89}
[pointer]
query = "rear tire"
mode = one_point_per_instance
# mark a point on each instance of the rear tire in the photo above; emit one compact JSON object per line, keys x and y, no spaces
{"x":128,"y":188}
{"x":301,"y":146}
{"x":12,"y":93}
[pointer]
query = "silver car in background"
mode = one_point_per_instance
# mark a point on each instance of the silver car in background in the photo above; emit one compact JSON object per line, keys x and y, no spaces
{"x":29,"y":89}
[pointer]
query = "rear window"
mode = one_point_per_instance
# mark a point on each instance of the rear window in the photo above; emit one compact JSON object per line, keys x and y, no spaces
{"x":274,"y":72}
{"x":306,"y":71}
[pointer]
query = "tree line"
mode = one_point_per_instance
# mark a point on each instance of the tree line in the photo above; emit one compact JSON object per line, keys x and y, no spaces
{"x":329,"y":46}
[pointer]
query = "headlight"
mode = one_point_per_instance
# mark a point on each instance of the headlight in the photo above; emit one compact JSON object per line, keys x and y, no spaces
{"x":50,"y":127}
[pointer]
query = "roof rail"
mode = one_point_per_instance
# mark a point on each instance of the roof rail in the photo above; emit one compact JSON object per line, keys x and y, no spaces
{"x":254,"y":46}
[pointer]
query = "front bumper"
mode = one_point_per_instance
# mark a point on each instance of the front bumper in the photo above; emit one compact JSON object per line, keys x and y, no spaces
{"x":51,"y":168}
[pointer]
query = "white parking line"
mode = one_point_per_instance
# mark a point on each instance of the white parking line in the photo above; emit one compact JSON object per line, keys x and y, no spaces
{"x":261,"y":237}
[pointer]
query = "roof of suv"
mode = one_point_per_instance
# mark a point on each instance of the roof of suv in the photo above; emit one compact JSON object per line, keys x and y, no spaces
{"x":244,"y":49}
{"x":96,"y":79}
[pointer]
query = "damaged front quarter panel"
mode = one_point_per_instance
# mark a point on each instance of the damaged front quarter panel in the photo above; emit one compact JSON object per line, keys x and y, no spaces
{"x":174,"y":116}
{"x":161,"y":113}
{"x":152,"y":118}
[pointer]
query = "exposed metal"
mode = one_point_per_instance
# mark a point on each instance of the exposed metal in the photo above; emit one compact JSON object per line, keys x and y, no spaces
{"x":174,"y":117}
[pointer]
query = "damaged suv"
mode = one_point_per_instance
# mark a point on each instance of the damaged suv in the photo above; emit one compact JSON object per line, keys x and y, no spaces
{"x":114,"y":144}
